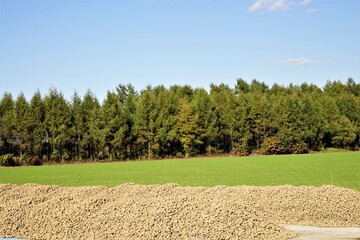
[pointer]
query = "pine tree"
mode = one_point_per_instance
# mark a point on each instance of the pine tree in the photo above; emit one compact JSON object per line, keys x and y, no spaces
{"x":112,"y":114}
{"x":21,"y":120}
{"x":145,"y":122}
{"x":7,"y":126}
{"x":189,"y":130}
{"x":58,"y":125}
{"x":220,"y":130}
{"x":93,"y":136}
{"x":38,"y":135}
{"x":78,"y":126}
{"x":128,"y":98}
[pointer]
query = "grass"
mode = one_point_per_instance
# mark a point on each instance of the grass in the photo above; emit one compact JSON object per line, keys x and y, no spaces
{"x":340,"y":169}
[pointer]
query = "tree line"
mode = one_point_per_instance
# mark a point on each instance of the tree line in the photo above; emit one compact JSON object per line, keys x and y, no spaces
{"x":180,"y":121}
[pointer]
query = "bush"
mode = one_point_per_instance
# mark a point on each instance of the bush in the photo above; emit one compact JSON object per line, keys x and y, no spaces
{"x":35,"y":161}
{"x":8,"y":160}
{"x":55,"y":156}
{"x":210,"y":151}
{"x":272,"y":145}
{"x":300,"y":148}
{"x":239,"y":151}
{"x":65,"y":156}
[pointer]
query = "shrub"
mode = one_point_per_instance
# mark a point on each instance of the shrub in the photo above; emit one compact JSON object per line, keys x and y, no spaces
{"x":240,"y":150}
{"x":210,"y":150}
{"x":36,"y":161}
{"x":65,"y":156}
{"x":272,"y":145}
{"x":55,"y":156}
{"x":8,"y":160}
{"x":300,"y":148}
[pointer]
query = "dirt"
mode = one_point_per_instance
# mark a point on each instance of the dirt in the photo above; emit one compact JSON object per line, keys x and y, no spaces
{"x":170,"y":211}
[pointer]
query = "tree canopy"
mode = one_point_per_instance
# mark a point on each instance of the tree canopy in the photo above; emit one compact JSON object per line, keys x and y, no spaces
{"x":181,"y":121}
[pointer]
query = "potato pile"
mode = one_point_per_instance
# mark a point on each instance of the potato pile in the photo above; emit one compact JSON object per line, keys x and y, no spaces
{"x":170,"y":211}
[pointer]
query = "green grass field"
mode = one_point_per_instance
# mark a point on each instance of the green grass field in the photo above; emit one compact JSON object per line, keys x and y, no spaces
{"x":340,"y":169}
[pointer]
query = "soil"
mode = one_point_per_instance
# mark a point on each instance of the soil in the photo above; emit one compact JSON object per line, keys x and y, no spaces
{"x":170,"y":211}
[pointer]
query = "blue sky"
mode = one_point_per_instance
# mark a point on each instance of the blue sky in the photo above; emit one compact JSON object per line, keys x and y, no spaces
{"x":80,"y":45}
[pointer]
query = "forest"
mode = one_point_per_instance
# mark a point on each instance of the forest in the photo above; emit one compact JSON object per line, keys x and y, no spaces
{"x":179,"y":121}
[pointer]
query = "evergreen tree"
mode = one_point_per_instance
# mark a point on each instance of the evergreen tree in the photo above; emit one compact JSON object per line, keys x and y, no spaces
{"x":128,"y":98}
{"x":220,"y":130}
{"x":202,"y":106}
{"x":258,"y":118}
{"x":241,"y":87}
{"x":112,"y":114}
{"x":162,"y":127}
{"x":7,"y":126}
{"x":21,"y":136}
{"x":58,"y":124}
{"x":241,"y":132}
{"x":93,"y":139}
{"x":38,"y":135}
{"x":161,"y":122}
{"x":145,"y":123}
{"x":78,"y":126}
{"x":189,"y":130}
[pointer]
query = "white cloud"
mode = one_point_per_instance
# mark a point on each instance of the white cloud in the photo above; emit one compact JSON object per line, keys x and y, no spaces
{"x":279,"y":5}
{"x":299,"y":61}
{"x":312,"y":10}
{"x":259,"y":4}
{"x":304,"y":2}
{"x":256,"y":6}
{"x":276,"y":5}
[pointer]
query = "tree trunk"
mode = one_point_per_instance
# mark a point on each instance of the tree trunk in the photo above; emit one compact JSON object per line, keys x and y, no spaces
{"x":149,"y":150}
